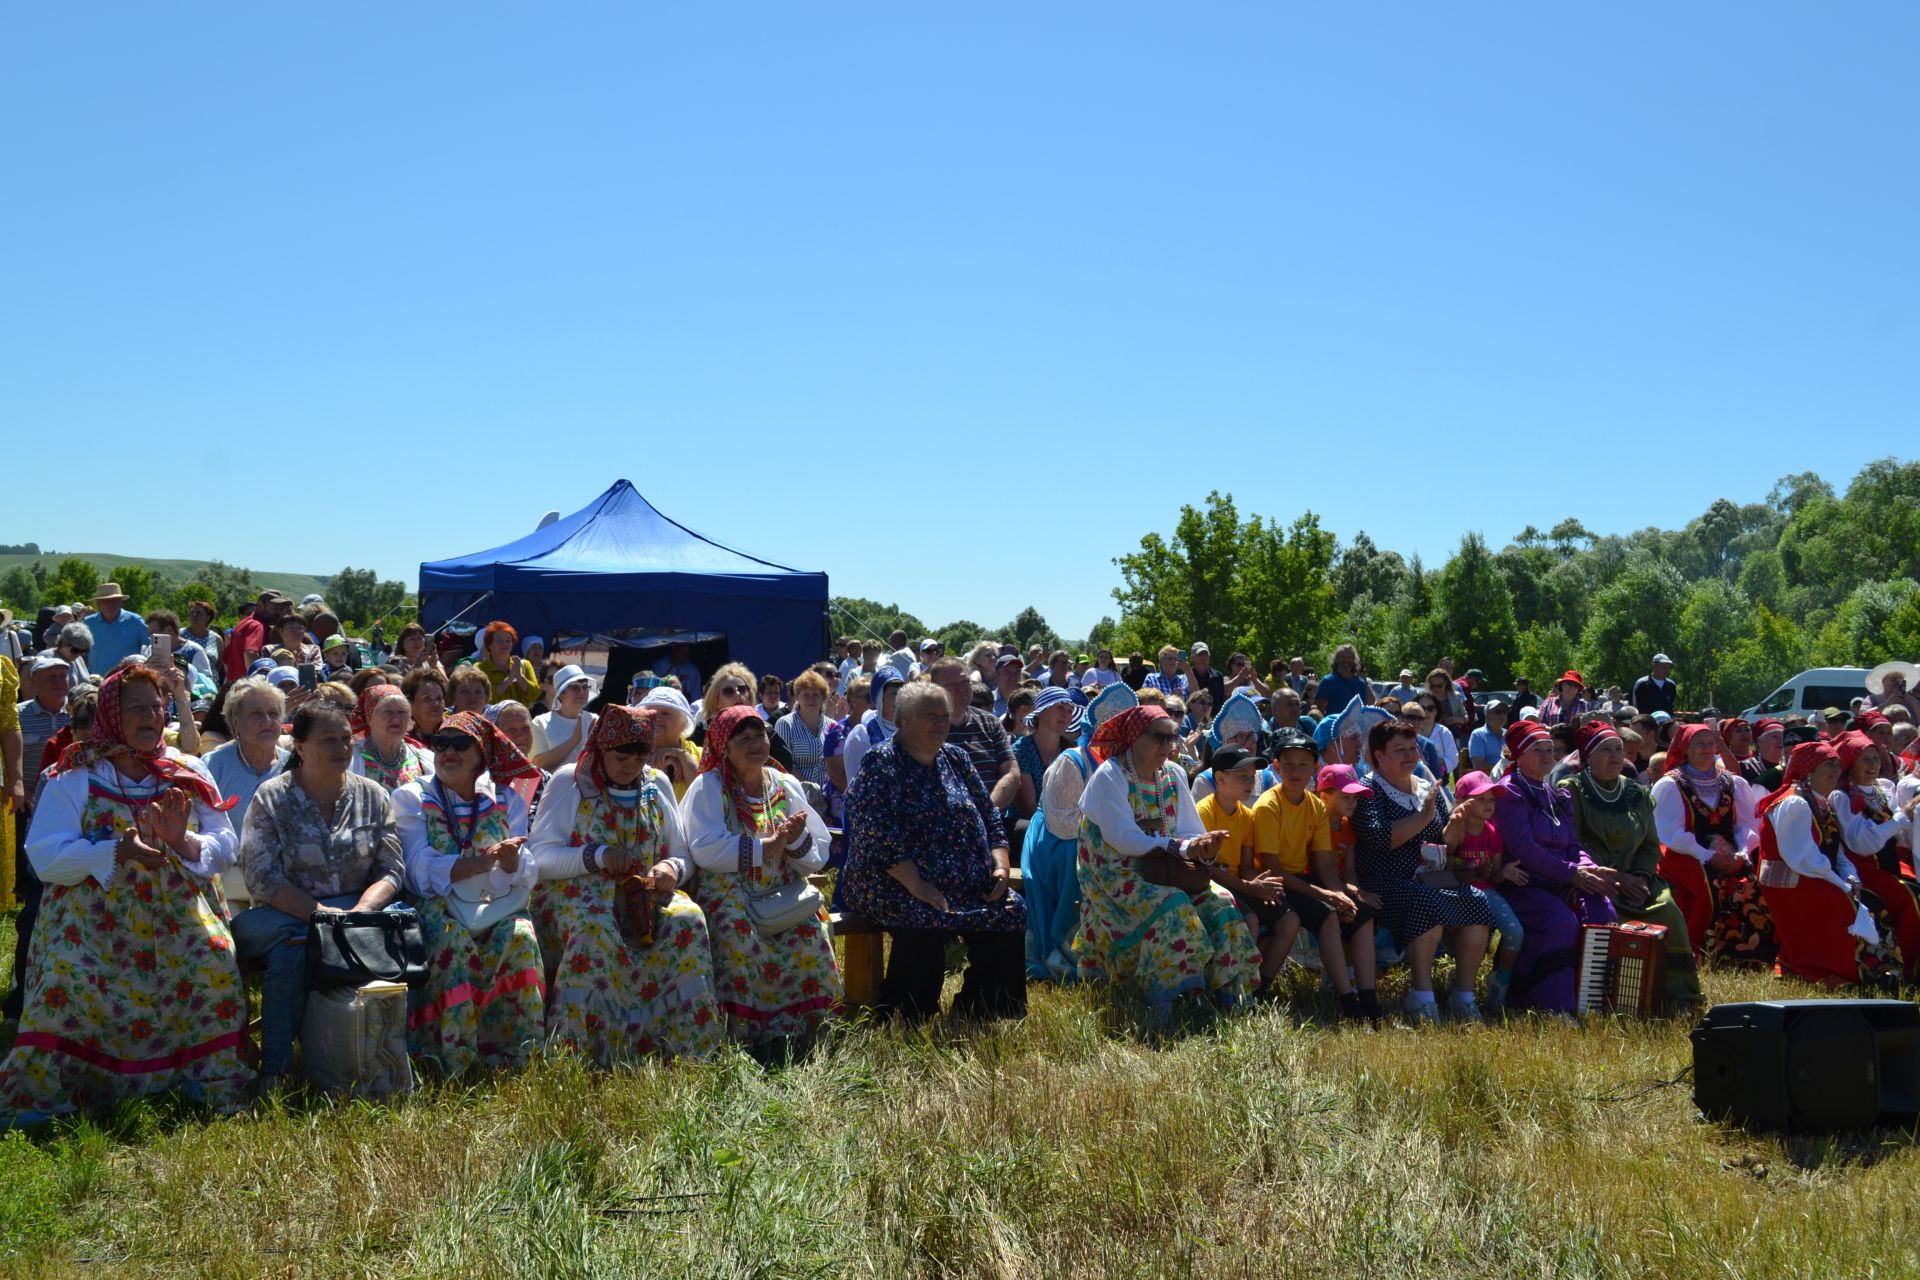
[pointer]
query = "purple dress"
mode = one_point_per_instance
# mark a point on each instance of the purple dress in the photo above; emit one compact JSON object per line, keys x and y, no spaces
{"x":1550,"y":910}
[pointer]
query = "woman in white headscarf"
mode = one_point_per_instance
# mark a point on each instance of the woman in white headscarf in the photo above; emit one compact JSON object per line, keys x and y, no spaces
{"x":674,"y":753}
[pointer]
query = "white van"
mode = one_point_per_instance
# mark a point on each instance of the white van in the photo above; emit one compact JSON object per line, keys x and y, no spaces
{"x":1812,"y":692}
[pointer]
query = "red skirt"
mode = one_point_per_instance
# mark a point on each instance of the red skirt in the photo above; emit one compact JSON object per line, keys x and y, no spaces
{"x":1810,"y":921}
{"x":1726,"y":916}
{"x":1903,"y":908}
{"x":1692,"y":893}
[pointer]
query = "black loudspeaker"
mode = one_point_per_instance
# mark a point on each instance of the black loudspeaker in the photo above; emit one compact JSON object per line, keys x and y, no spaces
{"x":1809,"y":1066}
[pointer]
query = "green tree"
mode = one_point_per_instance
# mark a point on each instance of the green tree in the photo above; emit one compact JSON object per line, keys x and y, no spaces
{"x":74,"y":580}
{"x":231,"y":587}
{"x":359,"y":597}
{"x":1712,"y":619}
{"x":1283,"y":600}
{"x":875,"y":621}
{"x":141,"y":585}
{"x":18,"y":589}
{"x":1414,"y":638}
{"x":1857,"y":634}
{"x":1362,"y":569}
{"x":1754,"y":665}
{"x":1101,"y":637}
{"x":1029,"y":628}
{"x":1474,"y":612}
{"x":1632,"y":618}
{"x":1179,"y":587}
{"x":1544,"y":652}
{"x":958,"y":637}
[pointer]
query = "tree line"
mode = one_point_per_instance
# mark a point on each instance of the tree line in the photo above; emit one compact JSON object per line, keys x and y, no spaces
{"x":359,"y":596}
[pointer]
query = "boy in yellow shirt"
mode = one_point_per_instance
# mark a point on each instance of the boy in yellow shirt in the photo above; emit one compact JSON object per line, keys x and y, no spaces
{"x":1260,"y":894}
{"x":1291,"y":837}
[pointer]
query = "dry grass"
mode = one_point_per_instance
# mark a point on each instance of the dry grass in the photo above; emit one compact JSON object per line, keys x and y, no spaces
{"x":1075,"y":1143}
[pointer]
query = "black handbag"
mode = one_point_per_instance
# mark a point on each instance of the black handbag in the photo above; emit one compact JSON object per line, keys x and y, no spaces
{"x":353,"y":948}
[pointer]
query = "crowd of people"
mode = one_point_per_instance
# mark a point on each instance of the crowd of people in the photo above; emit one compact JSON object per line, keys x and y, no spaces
{"x":640,"y":871}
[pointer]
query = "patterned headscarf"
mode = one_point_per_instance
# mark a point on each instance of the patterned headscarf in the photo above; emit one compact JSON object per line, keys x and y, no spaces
{"x":502,"y":759}
{"x":371,"y":697}
{"x":618,"y":726}
{"x":1801,"y":763}
{"x":1123,"y":730}
{"x":719,"y":733}
{"x":1849,"y":747}
{"x":108,"y":741}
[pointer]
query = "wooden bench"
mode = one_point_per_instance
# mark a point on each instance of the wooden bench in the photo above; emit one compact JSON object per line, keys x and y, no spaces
{"x":864,"y":945}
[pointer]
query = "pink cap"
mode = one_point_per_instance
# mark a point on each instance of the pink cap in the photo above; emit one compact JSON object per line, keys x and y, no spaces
{"x":1473,"y":784}
{"x":1342,"y":778}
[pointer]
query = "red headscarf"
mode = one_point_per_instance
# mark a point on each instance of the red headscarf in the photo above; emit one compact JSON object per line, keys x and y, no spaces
{"x":719,"y":732}
{"x":618,"y":726}
{"x":502,"y":759}
{"x":1521,"y":734}
{"x":1123,"y":730}
{"x":1801,"y":763}
{"x":1850,"y":746}
{"x":1869,"y":720}
{"x":108,"y":741}
{"x":1590,"y":736}
{"x":1726,"y":737}
{"x":370,"y":697}
{"x":1682,"y":739}
{"x":1766,"y":727}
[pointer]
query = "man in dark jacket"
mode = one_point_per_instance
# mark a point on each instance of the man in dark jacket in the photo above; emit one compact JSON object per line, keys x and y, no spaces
{"x":1655,"y":692}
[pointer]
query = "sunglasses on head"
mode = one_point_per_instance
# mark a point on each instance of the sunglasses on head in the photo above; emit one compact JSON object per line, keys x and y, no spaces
{"x":451,"y":742}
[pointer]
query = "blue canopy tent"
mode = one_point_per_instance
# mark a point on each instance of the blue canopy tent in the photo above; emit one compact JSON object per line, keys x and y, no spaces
{"x":619,"y":570}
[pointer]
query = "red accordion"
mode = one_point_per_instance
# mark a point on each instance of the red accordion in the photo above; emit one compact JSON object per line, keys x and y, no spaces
{"x":1622,"y":969}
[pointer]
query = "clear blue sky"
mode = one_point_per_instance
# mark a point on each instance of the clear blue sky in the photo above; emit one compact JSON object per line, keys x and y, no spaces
{"x":954,"y":302}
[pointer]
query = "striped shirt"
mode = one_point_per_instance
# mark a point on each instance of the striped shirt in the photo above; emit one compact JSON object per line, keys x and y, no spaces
{"x":37,"y":726}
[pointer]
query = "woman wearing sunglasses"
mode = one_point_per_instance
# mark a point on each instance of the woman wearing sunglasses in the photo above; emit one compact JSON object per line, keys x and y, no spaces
{"x":632,"y":966}
{"x":734,"y":686}
{"x":751,"y":833}
{"x":462,"y":832}
{"x":1156,"y":936}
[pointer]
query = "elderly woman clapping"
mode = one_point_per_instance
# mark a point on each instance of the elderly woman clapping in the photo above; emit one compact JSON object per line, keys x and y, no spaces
{"x":132,"y":987}
{"x":929,"y":861}
{"x":627,"y":948}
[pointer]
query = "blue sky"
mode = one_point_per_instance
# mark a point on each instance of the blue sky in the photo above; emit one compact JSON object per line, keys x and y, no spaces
{"x":954,"y":302}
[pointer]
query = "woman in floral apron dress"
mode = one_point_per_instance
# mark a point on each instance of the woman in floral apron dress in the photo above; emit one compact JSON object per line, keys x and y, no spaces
{"x":751,"y":832}
{"x":630,"y":972}
{"x":484,"y":1001}
{"x":381,"y":749}
{"x":133,"y":987}
{"x":1155,"y":936}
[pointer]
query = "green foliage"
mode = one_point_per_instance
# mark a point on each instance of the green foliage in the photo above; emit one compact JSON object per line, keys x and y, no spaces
{"x":360,"y":598}
{"x":1631,"y":618}
{"x":141,"y":584}
{"x":1545,"y":652}
{"x":1755,"y":664}
{"x":231,"y":587}
{"x":958,"y":637}
{"x":1474,"y":612}
{"x":74,"y":580}
{"x":872,"y":620}
{"x":1712,"y":619}
{"x":1028,"y":628}
{"x":19,"y":589}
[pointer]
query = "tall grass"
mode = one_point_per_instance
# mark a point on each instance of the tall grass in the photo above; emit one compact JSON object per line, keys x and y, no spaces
{"x":1079,"y":1142}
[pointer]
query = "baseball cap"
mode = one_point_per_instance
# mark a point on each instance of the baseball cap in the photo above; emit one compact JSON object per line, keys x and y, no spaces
{"x":1291,"y":739}
{"x":1477,"y":783}
{"x":929,"y":644}
{"x":1199,"y":646}
{"x":1475,"y":673}
{"x":1663,"y":658}
{"x":1230,"y":757}
{"x":1007,"y":660}
{"x":334,"y":641}
{"x":270,"y":596}
{"x":1498,"y":704}
{"x":1341,"y":778}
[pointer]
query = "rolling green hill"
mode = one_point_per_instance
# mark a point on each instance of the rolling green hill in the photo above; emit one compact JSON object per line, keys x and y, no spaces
{"x":179,"y":571}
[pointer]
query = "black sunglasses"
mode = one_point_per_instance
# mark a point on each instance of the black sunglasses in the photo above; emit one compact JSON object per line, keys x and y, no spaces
{"x":451,"y":741}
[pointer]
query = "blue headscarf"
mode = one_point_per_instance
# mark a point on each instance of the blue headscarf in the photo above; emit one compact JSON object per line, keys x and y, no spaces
{"x":1238,"y":714}
{"x":1108,"y":703}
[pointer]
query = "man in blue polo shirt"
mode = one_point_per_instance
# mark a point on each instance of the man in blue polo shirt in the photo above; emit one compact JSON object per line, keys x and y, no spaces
{"x":117,"y":632}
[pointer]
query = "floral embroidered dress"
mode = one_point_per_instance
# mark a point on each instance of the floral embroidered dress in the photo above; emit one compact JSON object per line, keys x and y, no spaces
{"x":133,"y":987}
{"x":1726,"y":917}
{"x":1153,"y":935}
{"x":768,"y":985}
{"x":409,"y":764}
{"x":484,"y":1001}
{"x":610,"y":996}
{"x":29,"y":769}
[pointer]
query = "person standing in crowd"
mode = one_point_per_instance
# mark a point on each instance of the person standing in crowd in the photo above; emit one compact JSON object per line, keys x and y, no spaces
{"x":1157,"y":936}
{"x":1568,"y":703}
{"x":1656,"y":691}
{"x":679,"y":663}
{"x":1103,"y":672}
{"x":1892,"y":684}
{"x":1616,"y":826}
{"x":1705,"y":817}
{"x":631,"y":962}
{"x":1171,"y":677}
{"x":118,"y":632}
{"x":1487,"y":744}
{"x":165,"y":622}
{"x":13,"y":777}
{"x":484,"y":1001}
{"x":1406,"y":691}
{"x":1201,"y":673}
{"x":413,"y":649}
{"x":74,"y":644}
{"x":752,"y":834}
{"x":1343,"y":683}
{"x":132,"y":987}
{"x":928,"y":861}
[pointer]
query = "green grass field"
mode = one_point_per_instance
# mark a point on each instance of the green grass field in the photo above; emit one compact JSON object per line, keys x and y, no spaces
{"x":1075,"y":1143}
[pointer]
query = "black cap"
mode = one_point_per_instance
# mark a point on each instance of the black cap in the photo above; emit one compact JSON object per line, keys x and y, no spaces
{"x":1231,"y":757}
{"x":1291,"y":739}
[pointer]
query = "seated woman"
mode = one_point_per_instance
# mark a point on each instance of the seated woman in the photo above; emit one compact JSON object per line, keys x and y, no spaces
{"x":673,"y":751}
{"x":468,"y":689}
{"x":1614,"y":817}
{"x":877,"y":725}
{"x":1565,"y":888}
{"x":426,"y":690}
{"x":132,"y":987}
{"x":1238,"y":724}
{"x":413,"y":648}
{"x":560,"y":735}
{"x":630,"y":971}
{"x":508,"y":676}
{"x":1871,"y":823}
{"x":1050,"y":879}
{"x":804,"y":729}
{"x":1707,"y":830}
{"x":316,"y":839}
{"x":928,"y":861}
{"x":1406,"y":810}
{"x":381,"y":750}
{"x":752,"y":834}
{"x":462,"y":833}
{"x":1813,"y":894}
{"x":1155,"y":936}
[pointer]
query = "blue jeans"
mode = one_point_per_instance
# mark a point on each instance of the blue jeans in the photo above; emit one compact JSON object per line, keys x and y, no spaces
{"x":282,"y":939}
{"x":1505,"y":923}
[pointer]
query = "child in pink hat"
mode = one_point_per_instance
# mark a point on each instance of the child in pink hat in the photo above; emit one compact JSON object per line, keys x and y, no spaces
{"x":1477,"y":855}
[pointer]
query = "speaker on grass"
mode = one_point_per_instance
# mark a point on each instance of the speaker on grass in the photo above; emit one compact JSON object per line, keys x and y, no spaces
{"x":1809,"y":1066}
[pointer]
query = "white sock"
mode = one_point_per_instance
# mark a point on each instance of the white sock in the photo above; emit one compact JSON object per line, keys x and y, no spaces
{"x":1421,"y":997}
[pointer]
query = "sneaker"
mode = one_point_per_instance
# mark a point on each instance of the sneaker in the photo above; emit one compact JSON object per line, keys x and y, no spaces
{"x":1417,"y":1012}
{"x":1462,"y":1008}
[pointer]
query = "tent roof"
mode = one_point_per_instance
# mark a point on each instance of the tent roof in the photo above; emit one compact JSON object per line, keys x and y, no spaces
{"x":621,"y":533}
